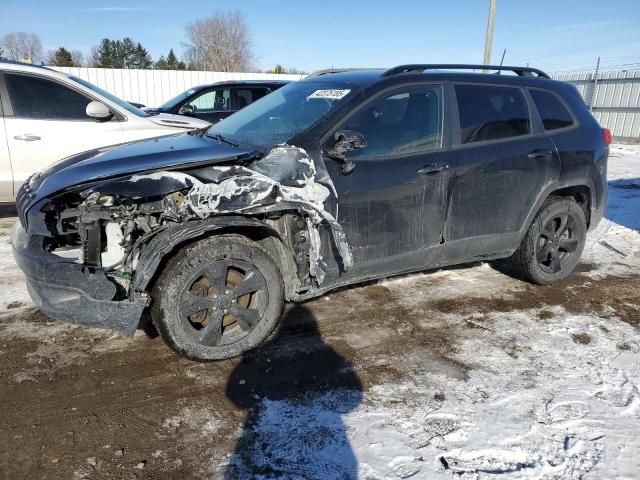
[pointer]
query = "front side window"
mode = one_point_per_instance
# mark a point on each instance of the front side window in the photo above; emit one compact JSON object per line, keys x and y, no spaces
{"x":218,"y":100}
{"x":39,"y":98}
{"x":491,"y":113}
{"x":405,"y":121}
{"x":553,"y":113}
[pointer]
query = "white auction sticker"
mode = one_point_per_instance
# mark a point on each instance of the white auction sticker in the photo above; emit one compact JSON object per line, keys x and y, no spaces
{"x":331,"y":94}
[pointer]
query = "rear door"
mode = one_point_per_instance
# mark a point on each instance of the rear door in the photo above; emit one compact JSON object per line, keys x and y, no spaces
{"x":392,"y":204}
{"x":46,"y":121}
{"x":503,"y":162}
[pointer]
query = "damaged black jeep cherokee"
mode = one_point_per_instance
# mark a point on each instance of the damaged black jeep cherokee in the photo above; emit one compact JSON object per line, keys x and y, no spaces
{"x":342,"y":177}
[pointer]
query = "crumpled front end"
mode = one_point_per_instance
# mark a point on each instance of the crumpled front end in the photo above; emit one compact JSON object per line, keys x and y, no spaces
{"x":113,"y":224}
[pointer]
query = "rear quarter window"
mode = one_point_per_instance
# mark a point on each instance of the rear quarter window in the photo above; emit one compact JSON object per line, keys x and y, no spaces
{"x":491,"y":113}
{"x":552,"y":111}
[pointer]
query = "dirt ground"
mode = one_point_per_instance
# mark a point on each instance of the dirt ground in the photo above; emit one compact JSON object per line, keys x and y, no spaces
{"x":89,"y":404}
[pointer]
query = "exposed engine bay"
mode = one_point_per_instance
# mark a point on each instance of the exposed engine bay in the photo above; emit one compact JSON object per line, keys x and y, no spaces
{"x":114,"y":221}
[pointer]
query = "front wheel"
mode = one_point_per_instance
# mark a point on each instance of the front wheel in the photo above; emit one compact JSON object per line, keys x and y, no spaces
{"x":552,"y":246}
{"x":218,"y":298}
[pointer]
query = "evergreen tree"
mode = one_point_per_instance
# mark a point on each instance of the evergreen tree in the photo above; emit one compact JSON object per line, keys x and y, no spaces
{"x":173,"y":63}
{"x":169,"y":63}
{"x":123,"y":53}
{"x":62,"y":58}
{"x":140,"y":58}
{"x":161,"y":64}
{"x":106,"y":54}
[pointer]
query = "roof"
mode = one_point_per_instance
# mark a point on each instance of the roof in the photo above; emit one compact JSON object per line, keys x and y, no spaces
{"x":240,"y":82}
{"x":365,"y":77}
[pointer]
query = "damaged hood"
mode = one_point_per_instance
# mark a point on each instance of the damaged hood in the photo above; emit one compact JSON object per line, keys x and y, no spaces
{"x":168,"y":152}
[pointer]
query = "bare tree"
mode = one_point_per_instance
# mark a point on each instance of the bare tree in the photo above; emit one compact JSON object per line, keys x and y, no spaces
{"x":220,"y":43}
{"x":78,"y":58}
{"x":22,"y":46}
{"x":93,"y":60}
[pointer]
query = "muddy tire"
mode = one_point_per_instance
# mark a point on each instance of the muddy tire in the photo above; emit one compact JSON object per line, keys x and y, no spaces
{"x":552,"y":246}
{"x":218,"y":298}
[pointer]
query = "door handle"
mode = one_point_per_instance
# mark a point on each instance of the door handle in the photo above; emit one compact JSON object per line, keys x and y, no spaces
{"x":27,"y":137}
{"x":540,"y":155}
{"x":433,"y":169}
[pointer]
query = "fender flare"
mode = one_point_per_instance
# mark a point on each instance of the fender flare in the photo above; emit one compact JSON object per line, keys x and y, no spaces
{"x":162,"y":244}
{"x":545,"y":194}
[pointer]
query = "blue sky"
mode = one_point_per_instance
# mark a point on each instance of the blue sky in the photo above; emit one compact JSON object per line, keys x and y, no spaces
{"x":553,"y":35}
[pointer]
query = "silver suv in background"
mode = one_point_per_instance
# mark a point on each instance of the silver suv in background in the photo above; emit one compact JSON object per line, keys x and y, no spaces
{"x":47,"y":115}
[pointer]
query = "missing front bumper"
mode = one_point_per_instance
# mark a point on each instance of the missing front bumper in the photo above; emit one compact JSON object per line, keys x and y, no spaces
{"x":73,"y":292}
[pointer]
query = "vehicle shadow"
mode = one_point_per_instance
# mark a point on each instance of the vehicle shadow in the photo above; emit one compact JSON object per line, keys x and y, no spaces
{"x":624,"y":202}
{"x":295,"y":389}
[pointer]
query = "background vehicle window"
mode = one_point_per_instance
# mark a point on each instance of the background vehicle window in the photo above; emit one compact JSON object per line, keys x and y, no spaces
{"x":405,"y":121}
{"x":553,"y":113}
{"x":246,"y":96}
{"x":491,"y":113}
{"x":33,"y":97}
{"x":218,"y":100}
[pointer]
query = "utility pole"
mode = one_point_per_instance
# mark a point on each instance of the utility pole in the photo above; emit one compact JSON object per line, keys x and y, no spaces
{"x":594,"y":85}
{"x":489,"y":38}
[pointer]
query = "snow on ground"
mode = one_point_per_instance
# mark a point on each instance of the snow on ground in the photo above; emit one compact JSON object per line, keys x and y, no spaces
{"x":528,"y":388}
{"x":550,"y":394}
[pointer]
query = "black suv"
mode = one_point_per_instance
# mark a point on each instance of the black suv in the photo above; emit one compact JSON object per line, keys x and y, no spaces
{"x":339,"y":178}
{"x":216,"y":101}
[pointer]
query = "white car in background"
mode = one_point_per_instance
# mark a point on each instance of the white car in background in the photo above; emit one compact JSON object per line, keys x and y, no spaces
{"x":47,"y":115}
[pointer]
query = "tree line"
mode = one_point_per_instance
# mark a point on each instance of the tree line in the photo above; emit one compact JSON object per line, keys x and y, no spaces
{"x":221,"y":43}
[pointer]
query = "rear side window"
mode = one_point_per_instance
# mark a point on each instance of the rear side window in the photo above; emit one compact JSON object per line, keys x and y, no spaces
{"x":491,"y":113}
{"x":39,"y":98}
{"x":246,"y":96}
{"x":552,"y":111}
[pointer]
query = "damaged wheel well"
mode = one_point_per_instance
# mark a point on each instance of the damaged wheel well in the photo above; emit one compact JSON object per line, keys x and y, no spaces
{"x":581,"y":194}
{"x":263,"y":235}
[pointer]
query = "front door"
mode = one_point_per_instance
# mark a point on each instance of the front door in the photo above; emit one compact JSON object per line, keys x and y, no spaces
{"x":47,"y":121}
{"x":392,"y":204}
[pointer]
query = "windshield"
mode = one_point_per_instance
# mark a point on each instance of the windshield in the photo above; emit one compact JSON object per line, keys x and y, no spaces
{"x":118,"y":101}
{"x":283,"y":114}
{"x":169,"y":104}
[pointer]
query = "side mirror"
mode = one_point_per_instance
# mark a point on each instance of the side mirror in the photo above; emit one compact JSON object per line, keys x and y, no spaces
{"x":346,"y":141}
{"x":98,"y":110}
{"x":186,"y":110}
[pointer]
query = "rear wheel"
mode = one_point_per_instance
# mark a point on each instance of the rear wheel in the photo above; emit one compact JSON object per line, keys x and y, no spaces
{"x":552,"y":247}
{"x":218,"y":298}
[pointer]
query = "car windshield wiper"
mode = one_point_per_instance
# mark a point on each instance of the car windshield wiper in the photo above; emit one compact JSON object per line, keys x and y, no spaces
{"x":224,"y":139}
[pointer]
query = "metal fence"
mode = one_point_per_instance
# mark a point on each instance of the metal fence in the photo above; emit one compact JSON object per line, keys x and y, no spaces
{"x":154,"y":87}
{"x":614,"y":99}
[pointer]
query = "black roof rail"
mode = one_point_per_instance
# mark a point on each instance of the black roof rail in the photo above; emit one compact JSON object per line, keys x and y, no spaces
{"x":338,"y":70}
{"x":419,"y":68}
